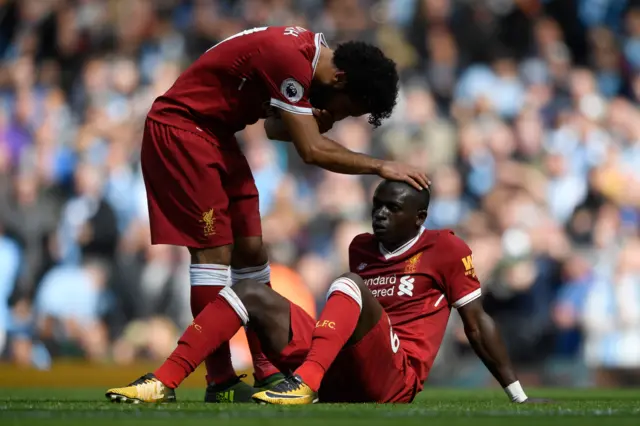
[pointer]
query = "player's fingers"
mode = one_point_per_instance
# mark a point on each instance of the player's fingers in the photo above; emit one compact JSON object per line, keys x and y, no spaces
{"x":423,"y":180}
{"x":420,"y":178}
{"x":411,"y":181}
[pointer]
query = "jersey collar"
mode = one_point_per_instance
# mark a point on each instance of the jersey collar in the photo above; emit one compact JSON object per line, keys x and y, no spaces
{"x":319,"y":42}
{"x":402,"y":249}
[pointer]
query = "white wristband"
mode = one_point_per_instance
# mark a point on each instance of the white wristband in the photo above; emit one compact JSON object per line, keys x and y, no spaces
{"x":515,"y":392}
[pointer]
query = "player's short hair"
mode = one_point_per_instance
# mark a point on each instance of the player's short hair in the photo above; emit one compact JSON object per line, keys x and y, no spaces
{"x":423,"y":197}
{"x":372,"y":78}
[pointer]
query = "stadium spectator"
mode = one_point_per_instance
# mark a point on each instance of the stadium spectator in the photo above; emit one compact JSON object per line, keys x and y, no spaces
{"x":526,"y":119}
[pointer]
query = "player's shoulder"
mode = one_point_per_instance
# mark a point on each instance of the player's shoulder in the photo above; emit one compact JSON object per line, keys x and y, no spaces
{"x":449,"y":238}
{"x":291,"y":46}
{"x":446,"y":242}
{"x":362,"y":241}
{"x":296,"y":37}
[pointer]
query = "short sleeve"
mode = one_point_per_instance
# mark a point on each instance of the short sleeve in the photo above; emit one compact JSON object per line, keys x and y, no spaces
{"x":457,"y":273}
{"x":353,"y":256}
{"x":356,"y":258}
{"x":287,"y":72}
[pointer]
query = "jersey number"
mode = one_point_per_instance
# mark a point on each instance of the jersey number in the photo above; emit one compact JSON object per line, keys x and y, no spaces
{"x":395,"y":341}
{"x":242,"y":33}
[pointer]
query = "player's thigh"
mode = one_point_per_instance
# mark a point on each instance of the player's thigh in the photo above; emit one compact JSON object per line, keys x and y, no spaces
{"x":188,"y":203}
{"x":371,"y":311}
{"x":244,"y":202}
{"x":357,"y":376}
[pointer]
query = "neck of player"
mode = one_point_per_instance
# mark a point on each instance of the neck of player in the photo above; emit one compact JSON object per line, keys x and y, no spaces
{"x":392,"y":246}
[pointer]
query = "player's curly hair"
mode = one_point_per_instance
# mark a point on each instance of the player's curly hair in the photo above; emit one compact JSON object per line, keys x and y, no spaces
{"x":372,"y":78}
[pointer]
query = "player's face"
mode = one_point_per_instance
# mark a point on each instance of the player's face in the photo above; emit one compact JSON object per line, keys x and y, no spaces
{"x":335,"y":100}
{"x":393,"y":218}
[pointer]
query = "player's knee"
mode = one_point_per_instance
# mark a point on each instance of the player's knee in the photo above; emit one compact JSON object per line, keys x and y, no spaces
{"x":356,"y":279}
{"x":247,"y":252}
{"x":254,"y":296}
{"x":214,"y":255}
{"x":349,"y":284}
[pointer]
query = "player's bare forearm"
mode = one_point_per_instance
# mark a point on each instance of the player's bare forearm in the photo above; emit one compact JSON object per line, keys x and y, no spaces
{"x":334,"y":157}
{"x":486,"y":341}
{"x":323,"y":152}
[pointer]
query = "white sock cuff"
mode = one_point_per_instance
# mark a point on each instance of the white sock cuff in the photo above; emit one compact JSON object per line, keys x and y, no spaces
{"x":236,"y":304}
{"x":209,"y":274}
{"x":261,"y":274}
{"x":347,"y":287}
{"x":515,"y":392}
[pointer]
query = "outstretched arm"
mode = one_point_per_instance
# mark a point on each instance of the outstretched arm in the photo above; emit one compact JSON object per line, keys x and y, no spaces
{"x":489,"y":346}
{"x":316,"y":149}
{"x":276,"y":129}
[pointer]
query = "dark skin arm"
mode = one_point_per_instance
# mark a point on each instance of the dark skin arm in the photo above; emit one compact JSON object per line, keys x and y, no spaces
{"x":322,"y":151}
{"x":487,"y":342}
{"x":276,"y":129}
{"x":316,"y":149}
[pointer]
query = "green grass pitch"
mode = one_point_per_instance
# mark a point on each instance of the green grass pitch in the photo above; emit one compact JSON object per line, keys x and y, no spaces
{"x":75,"y":407}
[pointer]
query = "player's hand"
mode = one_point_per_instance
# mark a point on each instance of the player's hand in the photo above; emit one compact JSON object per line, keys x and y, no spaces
{"x":415,"y":177}
{"x":538,"y":401}
{"x":324,"y":119}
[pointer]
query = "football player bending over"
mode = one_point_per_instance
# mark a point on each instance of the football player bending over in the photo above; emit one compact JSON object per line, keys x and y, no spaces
{"x":379,"y":332}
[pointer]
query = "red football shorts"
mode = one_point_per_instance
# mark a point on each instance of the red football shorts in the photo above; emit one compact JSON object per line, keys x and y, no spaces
{"x":372,"y":370}
{"x":200,"y":193}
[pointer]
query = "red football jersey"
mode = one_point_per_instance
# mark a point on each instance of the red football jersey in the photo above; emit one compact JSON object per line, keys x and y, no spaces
{"x":417,"y":285}
{"x":235,"y":82}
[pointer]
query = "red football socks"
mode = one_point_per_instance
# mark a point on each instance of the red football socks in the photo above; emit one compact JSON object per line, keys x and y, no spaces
{"x":219,"y":366}
{"x":333,"y":329}
{"x":262,"y":367}
{"x":213,"y":327}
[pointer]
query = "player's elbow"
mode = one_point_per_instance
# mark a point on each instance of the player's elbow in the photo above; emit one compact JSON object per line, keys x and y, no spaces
{"x":473,"y":333}
{"x":275,"y":130}
{"x":270,"y":132}
{"x":310,"y":155}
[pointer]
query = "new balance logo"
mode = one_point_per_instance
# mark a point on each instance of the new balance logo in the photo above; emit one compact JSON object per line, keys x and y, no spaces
{"x":469,"y":270}
{"x":406,"y":286}
{"x":362,"y":266}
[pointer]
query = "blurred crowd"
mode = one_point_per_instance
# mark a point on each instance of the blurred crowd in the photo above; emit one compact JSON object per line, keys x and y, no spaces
{"x":524,"y":112}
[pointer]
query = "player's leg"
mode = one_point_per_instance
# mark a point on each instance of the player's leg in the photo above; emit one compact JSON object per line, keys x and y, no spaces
{"x":356,"y":376}
{"x":188,"y":206}
{"x":350,"y":313}
{"x":247,"y":253}
{"x":209,"y":274}
{"x":213,"y":327}
{"x":249,"y":259}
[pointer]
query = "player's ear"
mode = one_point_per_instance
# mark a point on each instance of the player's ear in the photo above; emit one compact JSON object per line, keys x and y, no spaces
{"x":421,"y":217}
{"x":339,"y":80}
